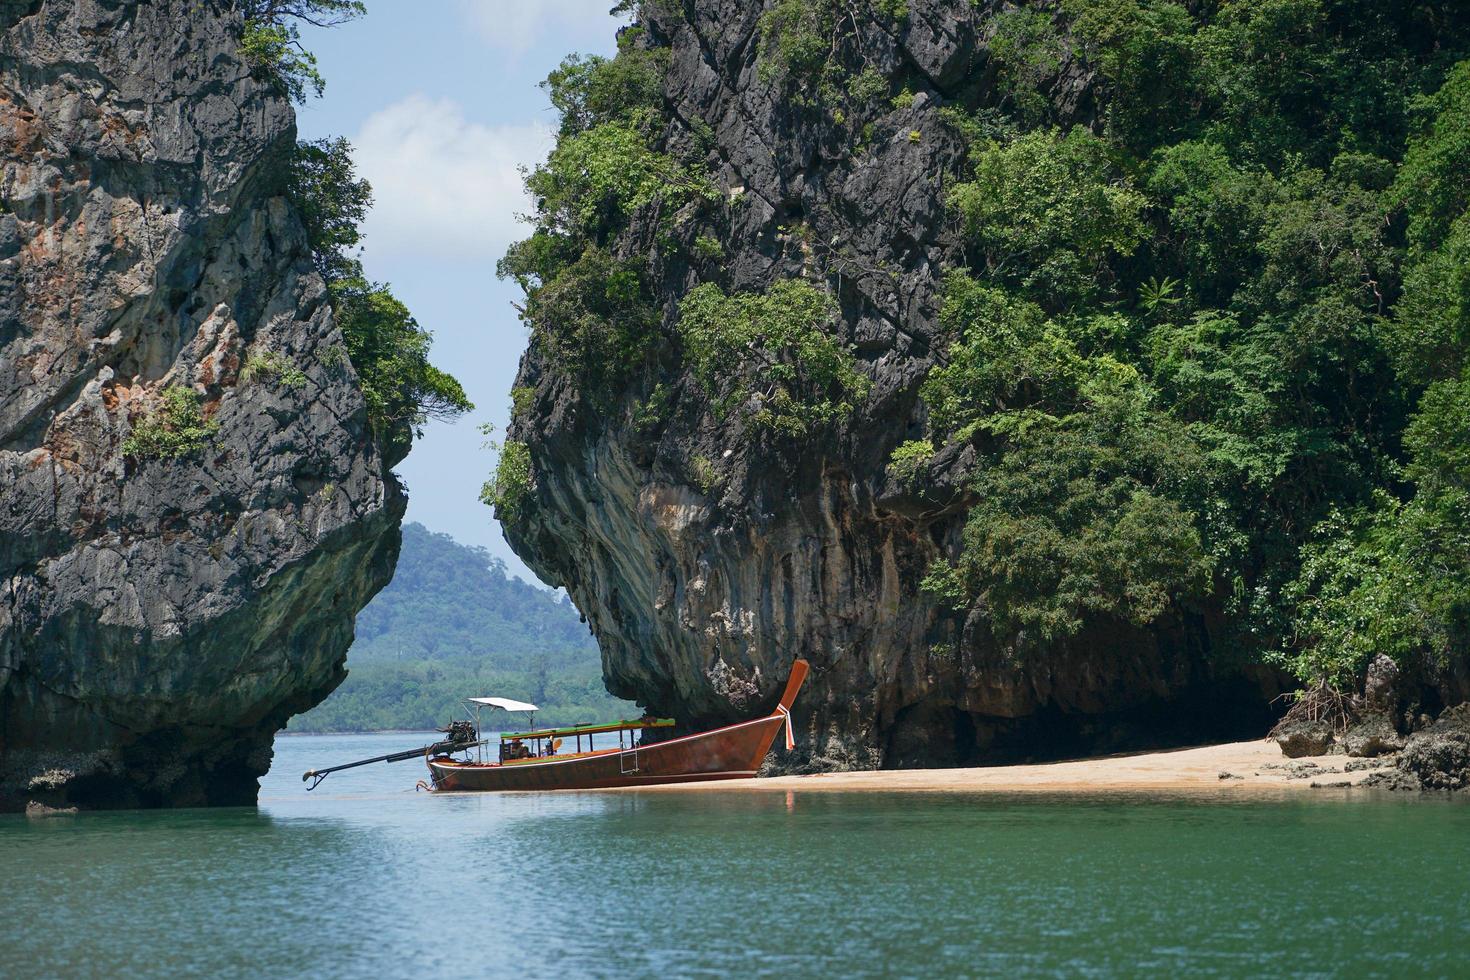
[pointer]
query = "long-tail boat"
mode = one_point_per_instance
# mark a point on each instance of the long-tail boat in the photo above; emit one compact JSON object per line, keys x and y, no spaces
{"x":556,"y":758}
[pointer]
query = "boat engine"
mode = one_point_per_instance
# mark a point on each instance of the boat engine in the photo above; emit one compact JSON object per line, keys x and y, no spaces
{"x":458,"y":732}
{"x":457,"y":735}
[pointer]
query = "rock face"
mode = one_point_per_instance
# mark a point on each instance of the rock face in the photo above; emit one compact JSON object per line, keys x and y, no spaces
{"x":1302,"y":738}
{"x":702,"y":588}
{"x":1373,"y":736}
{"x":1437,"y":758}
{"x":160,"y":618}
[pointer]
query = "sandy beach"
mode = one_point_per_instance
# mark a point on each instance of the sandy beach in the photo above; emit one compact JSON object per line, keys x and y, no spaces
{"x":1229,"y":769}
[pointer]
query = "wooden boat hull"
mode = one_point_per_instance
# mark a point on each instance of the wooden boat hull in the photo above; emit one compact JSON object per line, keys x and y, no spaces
{"x":732,"y":752}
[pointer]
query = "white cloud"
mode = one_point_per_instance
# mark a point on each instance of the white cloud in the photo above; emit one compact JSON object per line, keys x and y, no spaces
{"x":516,"y":25}
{"x":442,"y":184}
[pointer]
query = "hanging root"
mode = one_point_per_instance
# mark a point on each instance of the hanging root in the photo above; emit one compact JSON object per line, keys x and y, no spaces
{"x":1320,"y":703}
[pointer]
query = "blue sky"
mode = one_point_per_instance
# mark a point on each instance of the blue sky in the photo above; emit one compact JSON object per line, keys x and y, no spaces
{"x":441,"y":103}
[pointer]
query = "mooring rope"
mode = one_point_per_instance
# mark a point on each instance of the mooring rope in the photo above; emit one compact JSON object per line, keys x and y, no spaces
{"x":790,"y":737}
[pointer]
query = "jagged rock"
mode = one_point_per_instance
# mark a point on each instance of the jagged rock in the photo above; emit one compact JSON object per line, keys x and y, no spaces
{"x":40,"y":811}
{"x":1453,"y":719}
{"x":1439,"y":759}
{"x":1393,"y":779}
{"x":1439,"y":755}
{"x":1380,"y":686}
{"x":1306,"y":770}
{"x":161,"y":618}
{"x":1303,"y":738}
{"x":1372,"y":735}
{"x":1364,"y":765}
{"x":701,"y":592}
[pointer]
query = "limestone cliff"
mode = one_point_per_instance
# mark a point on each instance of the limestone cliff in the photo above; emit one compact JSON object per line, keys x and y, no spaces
{"x":161,"y":616}
{"x":707,"y":554}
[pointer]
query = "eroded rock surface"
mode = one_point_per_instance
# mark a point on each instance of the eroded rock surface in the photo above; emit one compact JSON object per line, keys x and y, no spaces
{"x":161,"y":618}
{"x":1302,"y":738}
{"x":1437,"y":758}
{"x":1372,"y":736}
{"x":703,"y":586}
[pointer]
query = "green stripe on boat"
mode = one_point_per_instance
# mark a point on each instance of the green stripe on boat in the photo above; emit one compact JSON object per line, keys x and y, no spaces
{"x":613,"y":726}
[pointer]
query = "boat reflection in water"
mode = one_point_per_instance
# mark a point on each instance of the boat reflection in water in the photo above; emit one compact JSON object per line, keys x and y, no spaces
{"x":566,"y":758}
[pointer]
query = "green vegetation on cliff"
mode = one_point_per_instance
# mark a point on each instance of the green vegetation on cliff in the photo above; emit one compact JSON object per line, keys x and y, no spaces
{"x":806,"y":378}
{"x":589,"y":306}
{"x":453,"y":625}
{"x":386,"y":346}
{"x":800,"y":42}
{"x":510,"y":483}
{"x":1203,"y":329}
{"x":272,"y":39}
{"x":1213,"y":351}
{"x":177,"y":427}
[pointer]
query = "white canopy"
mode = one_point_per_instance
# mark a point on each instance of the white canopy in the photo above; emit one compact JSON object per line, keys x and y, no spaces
{"x":505,"y":703}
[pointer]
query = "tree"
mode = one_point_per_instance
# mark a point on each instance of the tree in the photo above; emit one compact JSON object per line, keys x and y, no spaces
{"x":271,"y":40}
{"x":387,"y":347}
{"x":1213,"y":351}
{"x":773,"y":351}
{"x":317,"y":13}
{"x":1049,"y":211}
{"x":333,"y":201}
{"x":390,"y":351}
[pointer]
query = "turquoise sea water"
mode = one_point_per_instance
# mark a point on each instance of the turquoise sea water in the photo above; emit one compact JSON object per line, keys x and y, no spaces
{"x":366,"y":878}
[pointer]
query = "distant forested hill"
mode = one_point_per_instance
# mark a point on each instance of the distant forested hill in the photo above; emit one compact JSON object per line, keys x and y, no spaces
{"x":453,"y":624}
